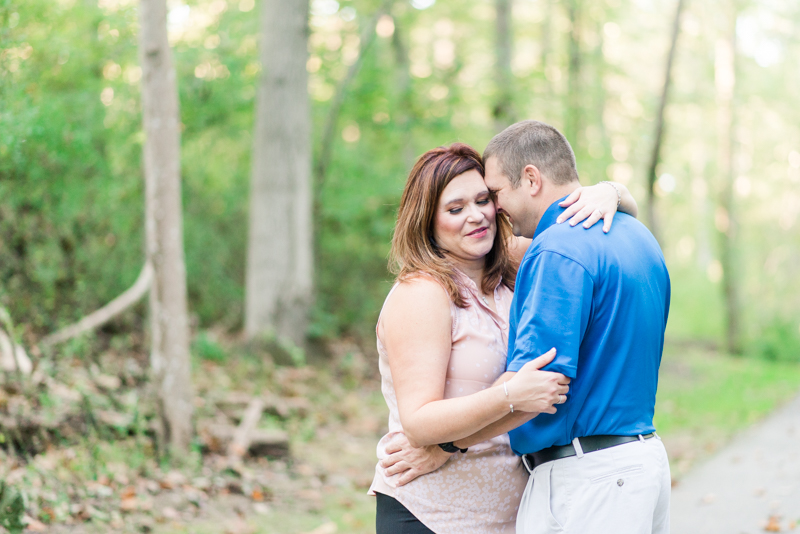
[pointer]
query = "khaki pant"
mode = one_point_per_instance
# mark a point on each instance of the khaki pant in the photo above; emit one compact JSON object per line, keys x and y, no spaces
{"x":619,"y":490}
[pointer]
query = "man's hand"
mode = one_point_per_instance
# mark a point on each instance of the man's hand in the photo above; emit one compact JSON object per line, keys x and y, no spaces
{"x":411,"y":462}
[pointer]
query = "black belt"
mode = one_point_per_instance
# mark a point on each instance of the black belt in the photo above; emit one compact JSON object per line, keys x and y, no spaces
{"x":588,"y":444}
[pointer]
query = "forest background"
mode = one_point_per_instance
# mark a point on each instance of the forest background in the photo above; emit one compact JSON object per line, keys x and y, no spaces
{"x":387,"y":81}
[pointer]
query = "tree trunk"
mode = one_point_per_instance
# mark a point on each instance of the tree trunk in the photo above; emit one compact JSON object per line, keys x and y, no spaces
{"x":503,"y":111}
{"x":164,"y":228}
{"x":279,"y":278}
{"x":725,"y":77}
{"x":404,"y":114}
{"x":329,"y":132}
{"x":659,"y":133}
{"x":544,"y":57}
{"x":572,"y":124}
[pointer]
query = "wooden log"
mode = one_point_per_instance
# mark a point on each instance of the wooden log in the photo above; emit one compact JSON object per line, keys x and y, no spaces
{"x":272,"y":443}
{"x":243,"y":434}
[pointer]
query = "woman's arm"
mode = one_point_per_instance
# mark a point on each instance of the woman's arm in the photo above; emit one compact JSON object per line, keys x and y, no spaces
{"x":517,"y":246}
{"x":590,"y":204}
{"x":416,"y":327}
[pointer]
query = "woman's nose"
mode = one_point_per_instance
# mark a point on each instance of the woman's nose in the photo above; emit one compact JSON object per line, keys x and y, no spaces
{"x":474,"y":213}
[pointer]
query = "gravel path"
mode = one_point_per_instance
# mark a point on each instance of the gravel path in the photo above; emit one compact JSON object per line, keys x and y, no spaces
{"x":751,"y":486}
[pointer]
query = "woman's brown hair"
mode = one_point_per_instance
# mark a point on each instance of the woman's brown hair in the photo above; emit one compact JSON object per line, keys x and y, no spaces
{"x":414,"y":250}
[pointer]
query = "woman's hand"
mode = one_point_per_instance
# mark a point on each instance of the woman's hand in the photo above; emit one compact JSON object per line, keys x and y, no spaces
{"x":590,"y":204}
{"x":410,"y":462}
{"x":534,"y":390}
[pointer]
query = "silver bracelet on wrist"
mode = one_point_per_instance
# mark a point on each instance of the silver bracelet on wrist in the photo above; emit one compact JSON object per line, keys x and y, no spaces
{"x":505,"y":388}
{"x":619,"y":195}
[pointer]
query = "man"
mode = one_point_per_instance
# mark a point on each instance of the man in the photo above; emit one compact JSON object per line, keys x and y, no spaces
{"x":596,"y":465}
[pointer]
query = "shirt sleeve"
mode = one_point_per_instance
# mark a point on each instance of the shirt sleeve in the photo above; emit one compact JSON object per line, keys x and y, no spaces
{"x":552,"y":307}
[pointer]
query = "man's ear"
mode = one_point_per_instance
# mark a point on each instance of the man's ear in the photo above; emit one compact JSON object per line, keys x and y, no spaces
{"x":532,"y":178}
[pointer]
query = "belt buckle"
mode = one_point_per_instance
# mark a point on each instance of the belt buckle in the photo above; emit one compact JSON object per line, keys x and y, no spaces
{"x":530,"y":468}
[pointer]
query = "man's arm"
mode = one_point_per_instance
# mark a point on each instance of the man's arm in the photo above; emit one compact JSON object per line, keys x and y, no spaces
{"x":552,"y":309}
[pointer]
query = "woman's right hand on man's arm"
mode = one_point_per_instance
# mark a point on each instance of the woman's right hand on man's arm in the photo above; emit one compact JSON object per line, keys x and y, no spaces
{"x":532,"y":390}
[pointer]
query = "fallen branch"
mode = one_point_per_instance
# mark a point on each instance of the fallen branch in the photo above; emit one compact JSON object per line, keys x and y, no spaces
{"x":99,"y":317}
{"x":241,"y":438}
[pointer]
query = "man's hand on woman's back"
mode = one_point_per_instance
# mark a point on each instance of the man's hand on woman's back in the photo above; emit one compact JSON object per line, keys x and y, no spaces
{"x":411,"y":462}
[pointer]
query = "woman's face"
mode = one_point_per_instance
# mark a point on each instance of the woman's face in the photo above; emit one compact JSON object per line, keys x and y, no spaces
{"x":464,"y":225}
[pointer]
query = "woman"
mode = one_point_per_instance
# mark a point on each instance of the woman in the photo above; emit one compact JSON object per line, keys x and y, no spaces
{"x":442,"y":340}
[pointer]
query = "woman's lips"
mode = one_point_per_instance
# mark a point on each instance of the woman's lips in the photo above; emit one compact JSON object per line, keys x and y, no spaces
{"x":479,"y":232}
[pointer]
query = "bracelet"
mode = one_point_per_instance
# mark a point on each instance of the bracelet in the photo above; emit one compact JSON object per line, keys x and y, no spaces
{"x":619,"y":195}
{"x":505,"y":388}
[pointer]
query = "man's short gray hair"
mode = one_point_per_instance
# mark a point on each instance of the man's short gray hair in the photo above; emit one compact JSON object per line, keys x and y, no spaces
{"x":533,"y":143}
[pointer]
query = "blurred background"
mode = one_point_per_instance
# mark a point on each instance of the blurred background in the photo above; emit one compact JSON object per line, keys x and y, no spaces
{"x":707,"y":138}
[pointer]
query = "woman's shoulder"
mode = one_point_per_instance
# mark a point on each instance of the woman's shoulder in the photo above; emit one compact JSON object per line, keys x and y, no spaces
{"x":415,"y":298}
{"x":419,"y":287}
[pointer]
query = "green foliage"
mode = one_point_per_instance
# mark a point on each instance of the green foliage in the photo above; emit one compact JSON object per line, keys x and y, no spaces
{"x":779,"y":342}
{"x":71,"y":192}
{"x":206,"y":348}
{"x":12,"y":509}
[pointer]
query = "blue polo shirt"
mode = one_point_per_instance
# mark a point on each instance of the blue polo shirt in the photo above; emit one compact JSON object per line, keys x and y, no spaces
{"x":602,"y":301}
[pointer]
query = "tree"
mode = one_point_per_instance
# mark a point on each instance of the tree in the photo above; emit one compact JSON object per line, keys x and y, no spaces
{"x":659,"y":133}
{"x":404,"y":116}
{"x":503,"y":111}
{"x":573,"y":112}
{"x":280,"y":242}
{"x":328,"y":133}
{"x":725,"y":80}
{"x":169,"y":328}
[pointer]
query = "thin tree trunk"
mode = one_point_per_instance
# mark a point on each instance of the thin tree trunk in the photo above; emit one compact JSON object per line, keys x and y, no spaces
{"x":164,"y":228}
{"x":659,"y":133}
{"x":329,"y":131}
{"x":503,"y":111}
{"x":545,"y":45}
{"x":725,"y":77}
{"x":573,"y":115}
{"x":404,"y":114}
{"x":279,"y":278}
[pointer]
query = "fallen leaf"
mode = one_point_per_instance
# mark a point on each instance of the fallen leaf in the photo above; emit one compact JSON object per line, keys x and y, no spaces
{"x":129,"y":504}
{"x":36,"y":526}
{"x":128,"y":492}
{"x":170,"y":513}
{"x":261,"y":508}
{"x":773,"y":524}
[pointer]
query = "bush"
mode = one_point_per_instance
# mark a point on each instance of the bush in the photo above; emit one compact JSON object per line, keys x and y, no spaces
{"x":779,"y":341}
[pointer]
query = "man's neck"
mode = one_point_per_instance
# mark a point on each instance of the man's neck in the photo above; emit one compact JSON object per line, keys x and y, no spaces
{"x":552,"y":194}
{"x":555,"y":192}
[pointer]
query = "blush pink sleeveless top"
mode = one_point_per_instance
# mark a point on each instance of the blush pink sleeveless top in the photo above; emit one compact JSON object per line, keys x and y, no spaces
{"x":479,"y":491}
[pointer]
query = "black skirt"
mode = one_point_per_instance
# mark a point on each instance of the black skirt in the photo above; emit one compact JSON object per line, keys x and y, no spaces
{"x":394,"y":518}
